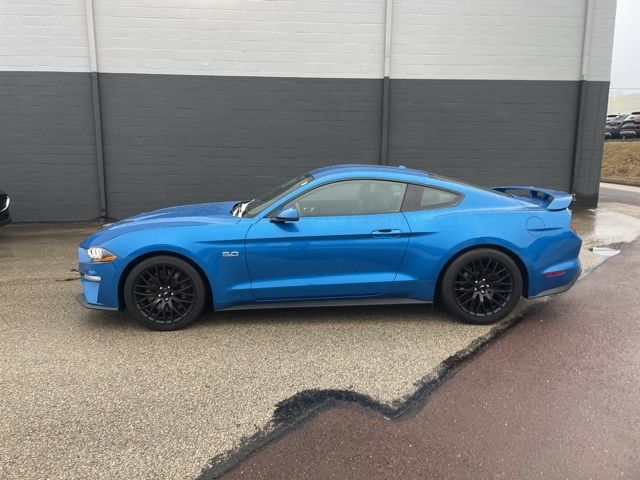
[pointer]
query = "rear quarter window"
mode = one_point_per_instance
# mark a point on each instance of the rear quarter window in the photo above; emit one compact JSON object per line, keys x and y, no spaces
{"x":419,"y":197}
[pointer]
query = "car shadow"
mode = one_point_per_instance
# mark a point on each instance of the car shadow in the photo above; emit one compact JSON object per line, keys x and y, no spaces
{"x":342,"y":314}
{"x":282,"y":316}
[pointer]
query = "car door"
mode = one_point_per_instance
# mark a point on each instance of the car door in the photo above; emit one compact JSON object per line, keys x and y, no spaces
{"x":349,"y":241}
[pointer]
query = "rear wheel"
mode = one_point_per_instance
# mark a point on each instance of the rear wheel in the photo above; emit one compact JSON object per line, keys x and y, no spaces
{"x":482,"y":286}
{"x":164,"y":293}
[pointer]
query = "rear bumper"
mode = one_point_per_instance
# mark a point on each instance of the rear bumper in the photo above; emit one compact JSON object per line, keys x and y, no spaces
{"x":560,"y":288}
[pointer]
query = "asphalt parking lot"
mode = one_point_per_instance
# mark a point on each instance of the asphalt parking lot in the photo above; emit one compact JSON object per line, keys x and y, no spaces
{"x":89,"y":394}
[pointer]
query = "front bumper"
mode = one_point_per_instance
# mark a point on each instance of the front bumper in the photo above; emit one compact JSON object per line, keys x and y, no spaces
{"x":5,"y":218}
{"x":99,"y":282}
{"x":83,"y":301}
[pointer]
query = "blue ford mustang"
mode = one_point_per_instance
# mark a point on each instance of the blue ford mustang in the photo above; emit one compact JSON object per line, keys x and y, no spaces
{"x":340,"y":235}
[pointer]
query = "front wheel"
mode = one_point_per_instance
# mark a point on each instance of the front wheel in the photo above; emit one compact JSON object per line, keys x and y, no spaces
{"x":164,"y":293}
{"x":481,"y":286}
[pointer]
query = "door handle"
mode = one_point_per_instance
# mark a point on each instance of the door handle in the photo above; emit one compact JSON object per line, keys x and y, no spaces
{"x":386,"y":232}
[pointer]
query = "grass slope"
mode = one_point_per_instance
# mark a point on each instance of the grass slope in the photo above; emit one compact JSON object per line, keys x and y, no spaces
{"x":621,"y":160}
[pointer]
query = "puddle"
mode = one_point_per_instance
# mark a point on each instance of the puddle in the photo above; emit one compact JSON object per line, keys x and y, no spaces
{"x":603,"y":229}
{"x":605,"y":251}
{"x":610,"y":223}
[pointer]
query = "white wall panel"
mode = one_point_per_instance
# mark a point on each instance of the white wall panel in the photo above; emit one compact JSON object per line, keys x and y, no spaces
{"x":43,"y":35}
{"x":431,"y":39}
{"x":499,"y":39}
{"x":291,"y":38}
{"x":600,"y":46}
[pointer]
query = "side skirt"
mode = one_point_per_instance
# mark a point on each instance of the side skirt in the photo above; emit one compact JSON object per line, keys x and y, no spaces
{"x":346,"y":302}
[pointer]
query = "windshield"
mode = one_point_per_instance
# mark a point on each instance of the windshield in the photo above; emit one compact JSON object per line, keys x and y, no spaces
{"x":256,"y":206}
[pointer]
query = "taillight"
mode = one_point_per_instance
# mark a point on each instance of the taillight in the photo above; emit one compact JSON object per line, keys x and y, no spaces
{"x":557,"y":273}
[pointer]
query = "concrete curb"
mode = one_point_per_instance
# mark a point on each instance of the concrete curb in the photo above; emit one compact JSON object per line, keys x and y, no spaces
{"x":632,"y":183}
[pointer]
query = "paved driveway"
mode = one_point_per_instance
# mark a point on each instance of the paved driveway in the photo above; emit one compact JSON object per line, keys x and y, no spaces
{"x":611,"y":192}
{"x":89,"y":394}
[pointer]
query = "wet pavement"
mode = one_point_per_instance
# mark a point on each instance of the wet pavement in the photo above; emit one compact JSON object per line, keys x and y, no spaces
{"x":555,"y":397}
{"x":89,"y":394}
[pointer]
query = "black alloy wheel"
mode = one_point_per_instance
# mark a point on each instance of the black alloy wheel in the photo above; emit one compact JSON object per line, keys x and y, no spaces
{"x":482,"y":286}
{"x":164,"y":293}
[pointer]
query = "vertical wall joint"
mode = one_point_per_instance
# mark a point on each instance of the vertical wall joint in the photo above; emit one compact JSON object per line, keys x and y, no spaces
{"x":584,"y":66}
{"x":97,"y":116}
{"x":384,"y":134}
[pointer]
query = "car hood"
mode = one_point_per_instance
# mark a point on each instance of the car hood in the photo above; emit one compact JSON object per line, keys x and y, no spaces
{"x":204,"y":212}
{"x":218,"y":213}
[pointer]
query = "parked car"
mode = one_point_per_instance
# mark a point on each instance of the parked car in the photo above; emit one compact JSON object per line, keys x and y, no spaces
{"x":340,"y":235}
{"x":630,"y":130}
{"x":5,"y":216}
{"x":631,"y":126}
{"x":613,"y":124}
{"x":633,"y":117}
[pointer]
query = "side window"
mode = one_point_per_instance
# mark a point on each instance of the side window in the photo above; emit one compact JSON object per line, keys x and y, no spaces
{"x":423,"y":198}
{"x":352,"y":197}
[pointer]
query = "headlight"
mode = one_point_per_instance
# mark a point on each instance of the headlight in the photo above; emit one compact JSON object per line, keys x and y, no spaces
{"x":99,"y":254}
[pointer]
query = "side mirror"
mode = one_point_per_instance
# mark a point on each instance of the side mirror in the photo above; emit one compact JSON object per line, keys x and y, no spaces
{"x":289,"y":214}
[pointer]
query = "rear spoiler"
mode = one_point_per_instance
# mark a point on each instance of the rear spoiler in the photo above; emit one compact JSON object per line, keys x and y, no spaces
{"x":552,"y":200}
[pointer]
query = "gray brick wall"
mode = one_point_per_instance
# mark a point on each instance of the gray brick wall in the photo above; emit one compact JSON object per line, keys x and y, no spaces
{"x":182,"y":139}
{"x":591,"y":142}
{"x":488,"y":132}
{"x":171,"y":139}
{"x":47,"y":146}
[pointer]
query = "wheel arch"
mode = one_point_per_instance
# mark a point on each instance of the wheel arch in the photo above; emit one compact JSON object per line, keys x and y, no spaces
{"x":514,"y":256}
{"x":135,"y":261}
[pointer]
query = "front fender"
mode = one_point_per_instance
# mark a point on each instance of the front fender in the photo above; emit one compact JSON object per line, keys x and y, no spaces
{"x":203,"y":246}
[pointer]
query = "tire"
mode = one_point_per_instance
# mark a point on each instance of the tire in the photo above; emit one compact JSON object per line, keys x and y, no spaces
{"x":481,"y":286}
{"x":164,"y":293}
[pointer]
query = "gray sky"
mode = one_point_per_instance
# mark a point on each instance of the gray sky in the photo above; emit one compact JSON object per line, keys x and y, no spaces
{"x":625,"y":66}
